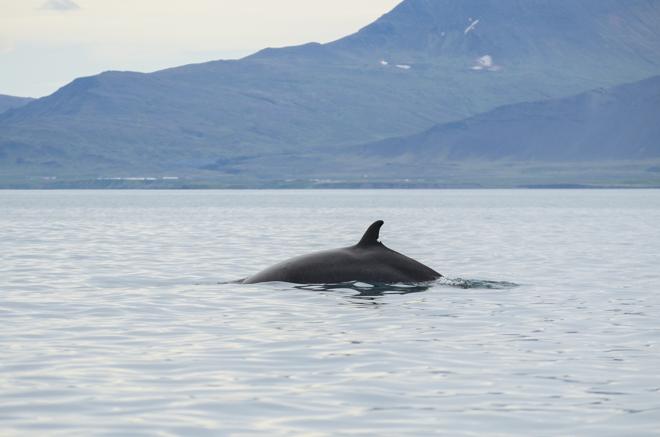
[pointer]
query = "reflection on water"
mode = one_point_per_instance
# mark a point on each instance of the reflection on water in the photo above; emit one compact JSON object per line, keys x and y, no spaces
{"x":362,"y":290}
{"x":102,"y":331}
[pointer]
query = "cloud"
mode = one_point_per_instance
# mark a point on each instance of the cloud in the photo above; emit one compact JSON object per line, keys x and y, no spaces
{"x":60,"y":5}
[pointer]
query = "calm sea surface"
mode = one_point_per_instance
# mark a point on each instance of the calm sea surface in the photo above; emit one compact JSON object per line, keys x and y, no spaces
{"x":114,"y":319}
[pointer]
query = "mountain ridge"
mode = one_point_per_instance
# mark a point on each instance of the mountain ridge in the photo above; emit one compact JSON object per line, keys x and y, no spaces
{"x":397,"y":76}
{"x":605,"y":124}
{"x":10,"y":102}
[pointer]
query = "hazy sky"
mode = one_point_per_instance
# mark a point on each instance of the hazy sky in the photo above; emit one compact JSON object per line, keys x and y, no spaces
{"x":45,"y":44}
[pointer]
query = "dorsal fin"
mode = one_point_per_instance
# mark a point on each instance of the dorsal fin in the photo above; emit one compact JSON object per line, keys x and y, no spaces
{"x":370,"y":237}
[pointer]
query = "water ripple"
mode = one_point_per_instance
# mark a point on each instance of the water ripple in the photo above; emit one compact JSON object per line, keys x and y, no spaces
{"x":112,"y":321}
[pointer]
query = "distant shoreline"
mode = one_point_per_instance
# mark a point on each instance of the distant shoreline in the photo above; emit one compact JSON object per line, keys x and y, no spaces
{"x":328,"y":187}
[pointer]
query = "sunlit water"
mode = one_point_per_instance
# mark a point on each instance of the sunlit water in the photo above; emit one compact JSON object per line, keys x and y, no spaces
{"x":114,"y":321}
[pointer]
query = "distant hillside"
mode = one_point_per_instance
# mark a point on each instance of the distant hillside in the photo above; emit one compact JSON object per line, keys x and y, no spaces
{"x":620,"y":123}
{"x":426,"y":62}
{"x":10,"y":102}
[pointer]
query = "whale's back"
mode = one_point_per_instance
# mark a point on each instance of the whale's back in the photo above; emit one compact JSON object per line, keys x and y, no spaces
{"x":371,"y":265}
{"x":368,"y":261}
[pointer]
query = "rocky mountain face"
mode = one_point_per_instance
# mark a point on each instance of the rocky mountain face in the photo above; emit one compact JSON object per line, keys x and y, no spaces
{"x":513,"y":30}
{"x":427,"y":62}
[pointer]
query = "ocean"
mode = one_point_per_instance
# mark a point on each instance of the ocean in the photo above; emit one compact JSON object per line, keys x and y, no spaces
{"x":118,"y":315}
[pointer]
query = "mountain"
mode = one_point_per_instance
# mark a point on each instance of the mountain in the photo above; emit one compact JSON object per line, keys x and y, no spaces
{"x":425,"y":62}
{"x":11,"y":102}
{"x":619,"y":123}
{"x":515,"y":32}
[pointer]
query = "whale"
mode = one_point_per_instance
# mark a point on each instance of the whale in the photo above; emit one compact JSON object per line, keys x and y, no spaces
{"x":368,"y":261}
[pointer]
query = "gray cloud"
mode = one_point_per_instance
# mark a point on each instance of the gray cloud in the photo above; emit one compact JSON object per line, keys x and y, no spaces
{"x":60,"y":5}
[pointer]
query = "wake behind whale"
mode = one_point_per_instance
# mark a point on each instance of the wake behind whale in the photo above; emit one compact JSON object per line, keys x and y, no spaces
{"x":368,"y":261}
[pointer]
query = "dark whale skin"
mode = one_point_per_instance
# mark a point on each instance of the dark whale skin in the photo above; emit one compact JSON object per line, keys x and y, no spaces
{"x":368,"y":261}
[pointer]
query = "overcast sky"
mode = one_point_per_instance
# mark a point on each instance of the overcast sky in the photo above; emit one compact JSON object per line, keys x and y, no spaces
{"x":45,"y":44}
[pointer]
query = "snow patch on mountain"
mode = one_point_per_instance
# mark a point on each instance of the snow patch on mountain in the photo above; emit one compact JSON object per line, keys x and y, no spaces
{"x":471,"y":27}
{"x":485,"y":63}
